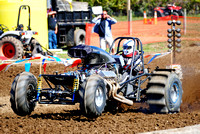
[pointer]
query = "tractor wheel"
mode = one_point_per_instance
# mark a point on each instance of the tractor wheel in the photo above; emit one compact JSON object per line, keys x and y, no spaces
{"x":94,"y":97}
{"x":23,"y":93}
{"x":79,"y":36}
{"x":159,"y":14}
{"x":36,"y":47}
{"x":175,"y":16}
{"x":11,"y":48}
{"x":164,"y":94}
{"x":181,"y":13}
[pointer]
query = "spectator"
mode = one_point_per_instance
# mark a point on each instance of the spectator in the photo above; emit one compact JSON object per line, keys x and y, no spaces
{"x":52,"y":30}
{"x":102,"y":27}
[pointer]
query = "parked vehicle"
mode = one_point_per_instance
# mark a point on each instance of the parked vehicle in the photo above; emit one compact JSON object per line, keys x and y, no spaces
{"x":19,"y":43}
{"x":170,"y":9}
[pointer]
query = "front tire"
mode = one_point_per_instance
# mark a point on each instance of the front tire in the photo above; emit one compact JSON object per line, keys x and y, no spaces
{"x":23,"y":93}
{"x":94,"y":98}
{"x":164,"y":92}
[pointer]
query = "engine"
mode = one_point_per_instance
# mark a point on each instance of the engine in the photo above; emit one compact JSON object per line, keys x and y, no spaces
{"x":95,"y":61}
{"x":91,"y":55}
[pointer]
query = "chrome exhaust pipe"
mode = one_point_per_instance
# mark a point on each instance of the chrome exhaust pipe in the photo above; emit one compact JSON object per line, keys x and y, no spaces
{"x":119,"y":97}
{"x":113,"y":92}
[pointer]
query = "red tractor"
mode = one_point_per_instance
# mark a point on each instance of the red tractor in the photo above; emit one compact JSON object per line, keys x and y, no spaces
{"x":170,"y":9}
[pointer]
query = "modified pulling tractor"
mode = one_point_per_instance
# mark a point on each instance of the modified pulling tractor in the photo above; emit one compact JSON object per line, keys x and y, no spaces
{"x":100,"y":80}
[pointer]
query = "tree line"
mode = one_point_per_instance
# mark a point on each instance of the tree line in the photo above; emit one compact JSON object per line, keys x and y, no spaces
{"x":119,"y":7}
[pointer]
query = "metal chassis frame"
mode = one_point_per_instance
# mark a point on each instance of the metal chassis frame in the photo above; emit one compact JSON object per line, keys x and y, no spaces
{"x":67,"y":101}
{"x":138,"y":47}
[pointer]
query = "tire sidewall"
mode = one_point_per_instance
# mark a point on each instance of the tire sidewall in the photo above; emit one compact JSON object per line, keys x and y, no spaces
{"x":31,"y":105}
{"x":101,"y":85}
{"x":23,"y":106}
{"x":171,"y":105}
{"x":90,"y":107}
{"x":77,"y":34}
{"x":12,"y":94}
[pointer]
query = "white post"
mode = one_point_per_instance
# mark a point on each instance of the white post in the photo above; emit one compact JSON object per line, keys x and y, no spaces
{"x":184,"y":21}
{"x":130,"y":22}
{"x":129,"y":13}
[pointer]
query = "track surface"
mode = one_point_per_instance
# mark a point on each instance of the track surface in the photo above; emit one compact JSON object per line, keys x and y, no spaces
{"x":134,"y":119}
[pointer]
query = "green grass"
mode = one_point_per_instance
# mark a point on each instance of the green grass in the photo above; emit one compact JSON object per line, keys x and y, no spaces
{"x":155,"y":47}
{"x":63,"y":55}
{"x":124,"y":18}
{"x":152,"y":47}
{"x":195,"y":15}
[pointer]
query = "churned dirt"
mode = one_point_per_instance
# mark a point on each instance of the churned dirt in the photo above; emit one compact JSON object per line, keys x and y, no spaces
{"x":132,"y":119}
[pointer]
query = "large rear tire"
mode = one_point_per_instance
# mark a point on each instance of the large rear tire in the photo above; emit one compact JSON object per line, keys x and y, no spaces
{"x":11,"y":48}
{"x":164,"y":92}
{"x":79,"y":36}
{"x":23,"y":93}
{"x":94,"y":97}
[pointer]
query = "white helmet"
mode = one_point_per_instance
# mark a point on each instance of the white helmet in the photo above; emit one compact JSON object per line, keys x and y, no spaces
{"x":128,"y":48}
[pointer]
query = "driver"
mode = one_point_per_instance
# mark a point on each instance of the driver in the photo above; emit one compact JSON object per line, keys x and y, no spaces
{"x":128,"y":53}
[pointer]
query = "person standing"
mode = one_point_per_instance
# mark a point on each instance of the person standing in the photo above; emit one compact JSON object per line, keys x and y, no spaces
{"x":52,"y":30}
{"x":102,"y":27}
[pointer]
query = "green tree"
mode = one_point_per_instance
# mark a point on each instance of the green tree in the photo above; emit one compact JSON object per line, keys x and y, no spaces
{"x":138,"y":6}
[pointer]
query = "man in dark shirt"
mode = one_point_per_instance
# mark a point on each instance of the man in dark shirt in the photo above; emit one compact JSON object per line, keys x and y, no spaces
{"x":52,"y":28}
{"x":102,"y":27}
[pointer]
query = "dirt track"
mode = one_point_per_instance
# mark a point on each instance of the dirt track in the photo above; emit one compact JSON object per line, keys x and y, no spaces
{"x":134,"y":119}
